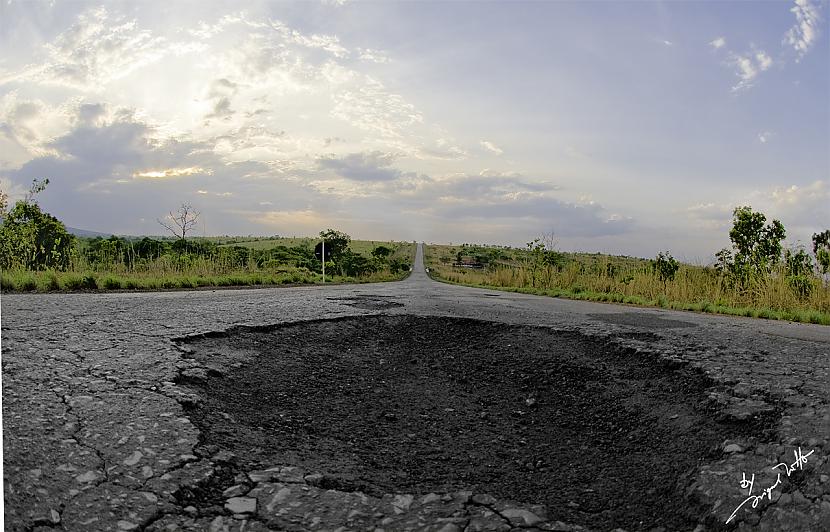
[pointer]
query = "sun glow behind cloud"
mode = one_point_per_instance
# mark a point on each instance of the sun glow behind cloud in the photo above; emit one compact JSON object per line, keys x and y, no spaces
{"x":171,"y":173}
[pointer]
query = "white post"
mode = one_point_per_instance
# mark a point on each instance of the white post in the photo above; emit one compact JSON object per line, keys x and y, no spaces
{"x":324,"y":261}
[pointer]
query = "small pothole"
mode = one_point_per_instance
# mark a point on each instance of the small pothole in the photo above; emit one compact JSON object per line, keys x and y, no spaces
{"x":600,"y":435}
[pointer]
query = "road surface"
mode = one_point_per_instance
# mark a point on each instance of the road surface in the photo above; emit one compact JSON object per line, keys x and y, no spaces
{"x":96,"y":433}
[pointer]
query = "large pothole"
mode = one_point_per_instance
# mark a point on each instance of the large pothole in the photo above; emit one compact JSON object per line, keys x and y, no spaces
{"x":600,"y":435}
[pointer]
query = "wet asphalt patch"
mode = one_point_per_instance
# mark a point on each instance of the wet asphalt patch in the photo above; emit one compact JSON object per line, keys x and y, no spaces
{"x":603,"y":436}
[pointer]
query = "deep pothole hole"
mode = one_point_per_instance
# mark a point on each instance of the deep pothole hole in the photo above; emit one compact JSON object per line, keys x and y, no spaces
{"x":601,"y":436}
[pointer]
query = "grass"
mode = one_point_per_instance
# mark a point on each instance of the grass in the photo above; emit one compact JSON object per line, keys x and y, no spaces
{"x":165,"y":274}
{"x":50,"y":281}
{"x":630,"y":281}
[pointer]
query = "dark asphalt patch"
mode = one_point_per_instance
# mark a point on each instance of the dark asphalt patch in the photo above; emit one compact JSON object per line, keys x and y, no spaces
{"x":638,"y":319}
{"x":602,"y":436}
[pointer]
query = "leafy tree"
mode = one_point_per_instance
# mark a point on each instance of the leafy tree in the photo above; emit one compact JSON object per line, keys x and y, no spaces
{"x":821,"y":249}
{"x":798,"y":263}
{"x":355,"y":265}
{"x":34,"y":239}
{"x":799,"y":269}
{"x":665,"y":266}
{"x":756,"y":245}
{"x":148,"y":248}
{"x":337,"y":243}
{"x":381,"y":252}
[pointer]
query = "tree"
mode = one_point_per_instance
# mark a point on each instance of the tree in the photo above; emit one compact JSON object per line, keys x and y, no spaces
{"x":34,"y":239}
{"x":381,"y":252}
{"x":540,"y":255}
{"x":756,"y":245}
{"x":821,"y":249}
{"x":665,"y":266}
{"x":182,"y":222}
{"x":337,"y":243}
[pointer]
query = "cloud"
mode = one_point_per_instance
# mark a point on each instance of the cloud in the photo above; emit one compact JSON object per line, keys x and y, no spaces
{"x":97,"y":49}
{"x":801,"y":208}
{"x":764,"y":136}
{"x":763,"y":60}
{"x":718,"y":43}
{"x":171,"y":173}
{"x":749,"y":66}
{"x":710,"y":215}
{"x":372,"y":56}
{"x":492,"y":148}
{"x":541,"y":212}
{"x":804,"y":33}
{"x":372,"y":166}
{"x":365,"y":103}
{"x":816,"y":192}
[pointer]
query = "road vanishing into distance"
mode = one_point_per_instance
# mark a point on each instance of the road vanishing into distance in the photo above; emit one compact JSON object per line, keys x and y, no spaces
{"x":413,"y":405}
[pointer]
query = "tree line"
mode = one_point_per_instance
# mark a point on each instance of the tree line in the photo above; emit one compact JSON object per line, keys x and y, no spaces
{"x":33,"y":240}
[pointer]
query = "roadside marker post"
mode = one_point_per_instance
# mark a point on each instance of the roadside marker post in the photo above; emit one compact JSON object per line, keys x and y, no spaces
{"x":321,"y":253}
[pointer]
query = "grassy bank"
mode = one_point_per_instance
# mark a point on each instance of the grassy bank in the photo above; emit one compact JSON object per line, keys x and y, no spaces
{"x":50,"y":281}
{"x":627,"y":280}
{"x":171,"y":271}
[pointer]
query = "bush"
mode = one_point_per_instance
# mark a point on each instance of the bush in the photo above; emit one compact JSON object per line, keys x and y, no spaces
{"x":665,"y":266}
{"x":51,"y":282}
{"x":802,"y":285}
{"x":111,"y":283}
{"x":26,"y":283}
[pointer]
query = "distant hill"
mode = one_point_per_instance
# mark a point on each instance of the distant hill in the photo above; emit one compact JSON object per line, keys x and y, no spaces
{"x":86,"y":234}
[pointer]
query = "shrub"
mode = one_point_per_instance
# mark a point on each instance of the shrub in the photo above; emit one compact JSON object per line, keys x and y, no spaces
{"x":26,"y":283}
{"x":111,"y":283}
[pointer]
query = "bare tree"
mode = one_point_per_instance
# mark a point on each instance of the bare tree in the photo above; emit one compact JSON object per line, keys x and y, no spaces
{"x":181,"y":222}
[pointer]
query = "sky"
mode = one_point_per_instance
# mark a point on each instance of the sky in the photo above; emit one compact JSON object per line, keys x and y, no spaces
{"x":620,"y":127}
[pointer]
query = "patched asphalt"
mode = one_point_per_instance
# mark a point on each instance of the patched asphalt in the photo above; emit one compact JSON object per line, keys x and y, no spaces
{"x":98,"y":435}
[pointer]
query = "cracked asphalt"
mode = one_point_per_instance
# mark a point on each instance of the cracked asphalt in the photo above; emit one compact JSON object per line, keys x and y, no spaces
{"x":96,"y":434}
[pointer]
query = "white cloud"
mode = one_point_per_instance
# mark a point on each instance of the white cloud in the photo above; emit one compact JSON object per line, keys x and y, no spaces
{"x":804,"y":33}
{"x":168,"y":173}
{"x":763,"y":60}
{"x":97,"y":49}
{"x":764,"y":136}
{"x":718,"y":43}
{"x":799,"y":196}
{"x":749,"y":66}
{"x":492,"y":148}
{"x":373,"y":56}
{"x":801,"y":208}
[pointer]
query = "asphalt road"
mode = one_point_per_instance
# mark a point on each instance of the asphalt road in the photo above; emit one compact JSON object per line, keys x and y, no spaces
{"x":95,"y":435}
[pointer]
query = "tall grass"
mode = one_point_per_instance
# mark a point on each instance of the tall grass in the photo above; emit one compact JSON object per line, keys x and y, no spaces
{"x":169,"y":271}
{"x":693,"y":287}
